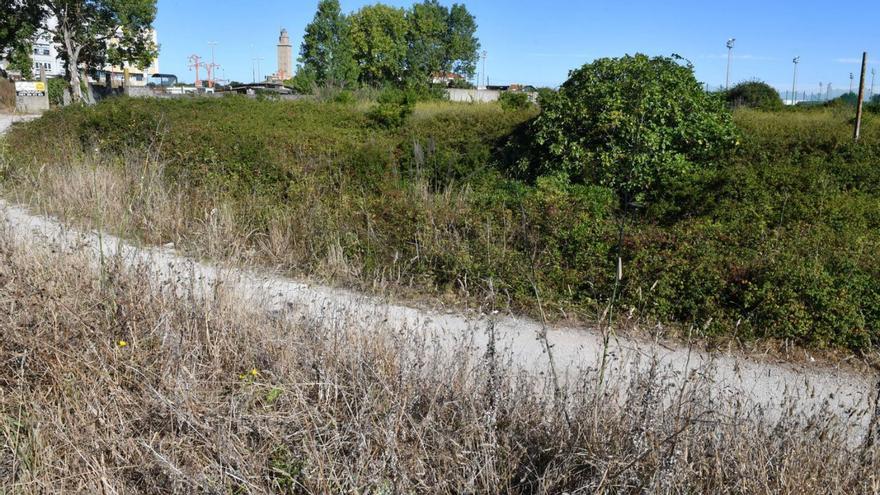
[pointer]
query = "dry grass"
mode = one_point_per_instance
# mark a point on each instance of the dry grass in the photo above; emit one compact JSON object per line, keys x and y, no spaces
{"x":131,"y":198}
{"x":109,"y":384}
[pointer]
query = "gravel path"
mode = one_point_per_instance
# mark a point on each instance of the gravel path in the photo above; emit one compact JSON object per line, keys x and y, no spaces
{"x":758,"y":384}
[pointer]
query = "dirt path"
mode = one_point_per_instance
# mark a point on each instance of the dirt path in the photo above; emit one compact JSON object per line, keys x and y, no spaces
{"x":761,"y":385}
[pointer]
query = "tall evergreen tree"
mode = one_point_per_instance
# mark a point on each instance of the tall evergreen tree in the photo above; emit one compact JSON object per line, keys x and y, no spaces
{"x":326,"y":51}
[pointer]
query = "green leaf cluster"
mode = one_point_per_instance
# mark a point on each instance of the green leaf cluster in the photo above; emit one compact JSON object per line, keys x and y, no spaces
{"x":630,"y":124}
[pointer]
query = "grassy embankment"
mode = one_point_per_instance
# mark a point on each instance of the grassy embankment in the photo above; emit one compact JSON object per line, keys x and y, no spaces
{"x":781,"y":242}
{"x":108,"y":385}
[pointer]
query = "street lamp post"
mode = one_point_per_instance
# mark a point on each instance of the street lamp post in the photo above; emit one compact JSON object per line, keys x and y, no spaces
{"x":730,"y":44}
{"x":795,"y":61}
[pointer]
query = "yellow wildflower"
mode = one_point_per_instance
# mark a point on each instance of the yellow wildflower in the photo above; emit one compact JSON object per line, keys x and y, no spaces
{"x":122,"y":343}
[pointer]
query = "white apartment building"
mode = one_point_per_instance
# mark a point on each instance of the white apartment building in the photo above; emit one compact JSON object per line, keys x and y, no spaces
{"x":44,"y":57}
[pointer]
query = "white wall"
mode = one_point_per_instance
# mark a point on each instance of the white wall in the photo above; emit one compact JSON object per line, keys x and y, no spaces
{"x":473,"y":95}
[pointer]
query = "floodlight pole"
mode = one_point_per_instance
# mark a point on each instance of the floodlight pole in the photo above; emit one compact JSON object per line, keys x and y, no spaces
{"x":730,"y":44}
{"x":873,"y":73}
{"x":795,"y":61}
{"x":860,"y":103}
{"x":485,"y":79}
{"x":213,"y":65}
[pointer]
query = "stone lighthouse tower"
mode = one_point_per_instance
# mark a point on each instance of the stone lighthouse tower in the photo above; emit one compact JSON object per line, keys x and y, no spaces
{"x":285,"y":56}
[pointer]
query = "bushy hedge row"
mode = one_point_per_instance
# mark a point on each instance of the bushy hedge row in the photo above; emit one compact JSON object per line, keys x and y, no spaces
{"x":780,"y":240}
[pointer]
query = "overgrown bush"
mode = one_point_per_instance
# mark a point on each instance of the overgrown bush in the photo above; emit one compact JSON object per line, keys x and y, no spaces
{"x":630,"y":124}
{"x":303,"y":82}
{"x":845,"y":100}
{"x":514,"y":100}
{"x":754,"y":94}
{"x":56,"y":88}
{"x":394,"y":106}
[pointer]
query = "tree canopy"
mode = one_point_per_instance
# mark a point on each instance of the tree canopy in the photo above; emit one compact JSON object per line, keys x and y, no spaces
{"x":92,"y":33}
{"x":379,"y":44}
{"x":326,"y":51}
{"x":89,"y":34}
{"x":18,"y":25}
{"x":378,"y":36}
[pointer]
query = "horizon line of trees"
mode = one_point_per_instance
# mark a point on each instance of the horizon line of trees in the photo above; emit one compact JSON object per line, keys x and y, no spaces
{"x":379,"y":45}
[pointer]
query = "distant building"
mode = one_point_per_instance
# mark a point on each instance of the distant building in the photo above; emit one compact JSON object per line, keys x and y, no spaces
{"x":44,"y":57}
{"x":285,"y":58}
{"x":445,"y":78}
{"x":137,"y":76}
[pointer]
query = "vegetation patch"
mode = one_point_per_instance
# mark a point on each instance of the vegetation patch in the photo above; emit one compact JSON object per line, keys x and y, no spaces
{"x":754,"y":94}
{"x":776,"y":238}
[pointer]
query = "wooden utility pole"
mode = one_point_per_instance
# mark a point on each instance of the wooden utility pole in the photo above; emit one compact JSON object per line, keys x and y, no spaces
{"x":860,"y":102}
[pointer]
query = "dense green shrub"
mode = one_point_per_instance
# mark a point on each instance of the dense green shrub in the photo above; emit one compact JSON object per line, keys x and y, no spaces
{"x":303,"y":82}
{"x":56,"y":88}
{"x":345,"y":97}
{"x":394,"y":106}
{"x":544,"y":94}
{"x":630,"y":124}
{"x":846,"y":99}
{"x":514,"y":100}
{"x":754,"y":94}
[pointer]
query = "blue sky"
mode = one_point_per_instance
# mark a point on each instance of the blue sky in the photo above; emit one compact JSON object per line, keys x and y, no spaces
{"x":539,"y":41}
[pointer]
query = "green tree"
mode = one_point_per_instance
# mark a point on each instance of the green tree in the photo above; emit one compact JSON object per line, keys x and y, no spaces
{"x":20,"y":59}
{"x":462,"y":45}
{"x":427,"y":40}
{"x":304,"y":81}
{"x":19,"y":22}
{"x":631,"y":124}
{"x":92,"y":33}
{"x":18,"y":26}
{"x":378,"y":37}
{"x":326,"y":51}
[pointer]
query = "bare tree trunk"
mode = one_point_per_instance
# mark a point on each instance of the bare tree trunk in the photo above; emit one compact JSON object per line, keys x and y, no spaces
{"x":75,"y":84}
{"x":72,"y":62}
